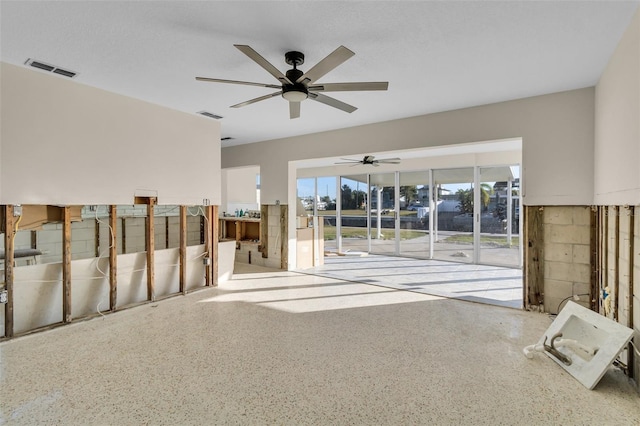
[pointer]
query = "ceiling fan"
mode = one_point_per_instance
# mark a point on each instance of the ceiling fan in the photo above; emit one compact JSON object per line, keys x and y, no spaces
{"x":296,"y":85}
{"x":369,"y":160}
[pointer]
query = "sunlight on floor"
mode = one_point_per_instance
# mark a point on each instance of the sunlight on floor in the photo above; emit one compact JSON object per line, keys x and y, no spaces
{"x":299,"y":293}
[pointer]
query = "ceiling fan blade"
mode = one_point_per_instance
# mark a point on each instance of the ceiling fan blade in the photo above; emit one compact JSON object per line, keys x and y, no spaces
{"x":294,"y":109}
{"x":390,"y":161}
{"x":331,"y":61}
{"x":246,"y":83}
{"x":348,"y":162}
{"x":318,"y":97}
{"x":257,"y":58}
{"x":349,"y":87}
{"x":253,"y":101}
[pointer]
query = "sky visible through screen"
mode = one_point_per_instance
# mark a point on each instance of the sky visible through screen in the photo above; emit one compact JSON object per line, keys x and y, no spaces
{"x":327,"y":185}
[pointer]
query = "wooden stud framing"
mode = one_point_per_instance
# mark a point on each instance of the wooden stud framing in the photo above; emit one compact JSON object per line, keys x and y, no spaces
{"x":215,"y":224}
{"x":264,"y":230}
{"x":284,"y":240}
{"x":166,"y":232}
{"x":594,"y":290}
{"x":66,"y":265}
{"x":207,"y":244}
{"x":96,"y":238}
{"x":8,"y":269}
{"x":34,"y":240}
{"x":183,"y":249}
{"x":616,"y":280}
{"x":150,"y":248}
{"x":631,"y":356}
{"x":124,"y":235}
{"x":605,"y":252}
{"x":113,"y":258}
{"x":534,"y":259}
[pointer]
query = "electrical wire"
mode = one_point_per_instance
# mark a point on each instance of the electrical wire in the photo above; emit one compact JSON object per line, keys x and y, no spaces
{"x":570,"y":297}
{"x":111,"y":245}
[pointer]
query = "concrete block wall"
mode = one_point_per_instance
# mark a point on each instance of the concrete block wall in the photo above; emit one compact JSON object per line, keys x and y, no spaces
{"x":275,"y":238}
{"x":567,"y":255}
{"x":83,"y":244}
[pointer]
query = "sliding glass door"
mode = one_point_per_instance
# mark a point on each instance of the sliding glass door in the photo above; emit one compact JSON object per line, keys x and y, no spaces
{"x":469,"y":214}
{"x":454,"y":214}
{"x":499,"y":217}
{"x":353,"y":213}
{"x":414,"y":214}
{"x":383,"y":213}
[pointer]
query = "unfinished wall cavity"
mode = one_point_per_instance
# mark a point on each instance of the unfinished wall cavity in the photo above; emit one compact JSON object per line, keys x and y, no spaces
{"x":271,"y":249}
{"x":589,"y":254}
{"x":106,"y":259}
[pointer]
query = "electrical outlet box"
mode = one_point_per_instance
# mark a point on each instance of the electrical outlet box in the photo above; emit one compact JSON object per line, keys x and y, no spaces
{"x":17,"y":210}
{"x":3,"y":296}
{"x":206,"y":261}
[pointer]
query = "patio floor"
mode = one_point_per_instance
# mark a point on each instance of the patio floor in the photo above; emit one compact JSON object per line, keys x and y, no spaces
{"x":492,"y":285}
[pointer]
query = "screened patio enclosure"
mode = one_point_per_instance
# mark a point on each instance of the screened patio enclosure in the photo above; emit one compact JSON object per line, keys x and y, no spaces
{"x":468,"y":214}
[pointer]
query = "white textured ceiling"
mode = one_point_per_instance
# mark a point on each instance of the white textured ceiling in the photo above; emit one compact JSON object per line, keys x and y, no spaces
{"x":436,"y":55}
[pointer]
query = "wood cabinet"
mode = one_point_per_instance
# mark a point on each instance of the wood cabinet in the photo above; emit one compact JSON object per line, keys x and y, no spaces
{"x":240,"y":229}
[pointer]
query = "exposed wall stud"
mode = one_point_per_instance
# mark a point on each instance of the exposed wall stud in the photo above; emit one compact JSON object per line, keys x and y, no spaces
{"x":215,"y":238}
{"x":150,"y":248}
{"x":207,"y":244}
{"x":96,"y":238}
{"x":166,"y":232}
{"x":616,"y":282}
{"x":113,"y":258}
{"x":594,"y":258}
{"x":8,"y":269}
{"x":605,"y":252}
{"x":264,"y":230}
{"x":124,"y":235}
{"x":631,"y":358}
{"x":284,"y":240}
{"x":183,"y":249}
{"x":66,"y":265}
{"x":534,"y":259}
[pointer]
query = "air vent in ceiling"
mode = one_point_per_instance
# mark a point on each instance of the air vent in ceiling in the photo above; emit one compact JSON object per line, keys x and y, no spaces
{"x":226,"y":138}
{"x":50,"y":68}
{"x":210,"y":115}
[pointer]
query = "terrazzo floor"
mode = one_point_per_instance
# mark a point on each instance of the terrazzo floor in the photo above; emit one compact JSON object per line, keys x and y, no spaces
{"x":285,"y":348}
{"x":494,"y":285}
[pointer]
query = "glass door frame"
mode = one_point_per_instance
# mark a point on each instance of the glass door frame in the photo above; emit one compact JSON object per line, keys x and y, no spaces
{"x":433,"y":213}
{"x":396,"y":211}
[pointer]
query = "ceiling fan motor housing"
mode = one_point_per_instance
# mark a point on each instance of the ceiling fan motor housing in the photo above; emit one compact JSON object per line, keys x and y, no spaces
{"x":295,"y":92}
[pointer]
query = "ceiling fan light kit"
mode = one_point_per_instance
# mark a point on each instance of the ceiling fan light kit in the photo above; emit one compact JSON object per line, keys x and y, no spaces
{"x":296,"y":85}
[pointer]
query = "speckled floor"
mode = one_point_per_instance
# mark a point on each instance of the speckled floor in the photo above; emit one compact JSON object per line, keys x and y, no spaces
{"x":274,"y":347}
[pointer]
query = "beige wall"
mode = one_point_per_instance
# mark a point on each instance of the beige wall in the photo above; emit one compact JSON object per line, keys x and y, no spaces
{"x":67,"y":143}
{"x":617,"y":123}
{"x":556,"y":130}
{"x":239,"y":189}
